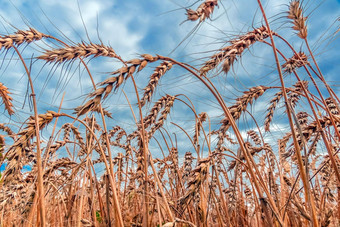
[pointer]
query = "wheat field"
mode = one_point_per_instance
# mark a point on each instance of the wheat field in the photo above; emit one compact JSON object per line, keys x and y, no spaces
{"x":195,"y":146}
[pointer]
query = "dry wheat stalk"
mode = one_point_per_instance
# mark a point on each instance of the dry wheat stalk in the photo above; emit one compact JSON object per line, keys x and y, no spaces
{"x":299,"y":21}
{"x":127,"y":146}
{"x":114,"y":131}
{"x":68,"y":191}
{"x":173,"y":155}
{"x":334,"y":109}
{"x":325,"y":172}
{"x":228,"y":54}
{"x":231,"y":193}
{"x":271,"y":108}
{"x":203,"y":11}
{"x":242,"y":102}
{"x":6,"y":99}
{"x":140,"y":159}
{"x":120,"y":136}
{"x":155,"y":110}
{"x":302,"y":119}
{"x":173,"y":158}
{"x":221,"y":136}
{"x":287,"y":180}
{"x":56,"y":146}
{"x":98,"y":110}
{"x":326,"y":220}
{"x":92,"y":121}
{"x":79,"y":138}
{"x":282,"y":148}
{"x":67,"y":131}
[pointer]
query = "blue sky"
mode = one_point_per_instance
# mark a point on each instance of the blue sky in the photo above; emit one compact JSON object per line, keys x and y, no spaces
{"x":138,"y":27}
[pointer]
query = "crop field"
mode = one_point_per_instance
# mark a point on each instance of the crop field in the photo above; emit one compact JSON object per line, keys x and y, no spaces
{"x":194,"y":113}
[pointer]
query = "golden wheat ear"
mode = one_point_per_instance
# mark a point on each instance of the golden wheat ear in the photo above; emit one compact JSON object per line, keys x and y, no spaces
{"x":21,"y":37}
{"x":6,"y":99}
{"x":154,"y":78}
{"x":203,"y":12}
{"x":229,"y":54}
{"x":295,"y":13}
{"x":71,"y":53}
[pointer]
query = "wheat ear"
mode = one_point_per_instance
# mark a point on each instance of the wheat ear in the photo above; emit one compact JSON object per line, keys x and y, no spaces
{"x":6,"y":99}
{"x":295,"y":13}
{"x":203,"y":11}
{"x":23,"y":143}
{"x":150,"y":88}
{"x":228,"y":54}
{"x":298,"y":60}
{"x":80,"y":50}
{"x":21,"y":37}
{"x":113,"y":83}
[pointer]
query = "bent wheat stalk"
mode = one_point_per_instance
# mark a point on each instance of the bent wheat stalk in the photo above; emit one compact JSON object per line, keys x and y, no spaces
{"x":37,"y":129}
{"x":301,"y":168}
